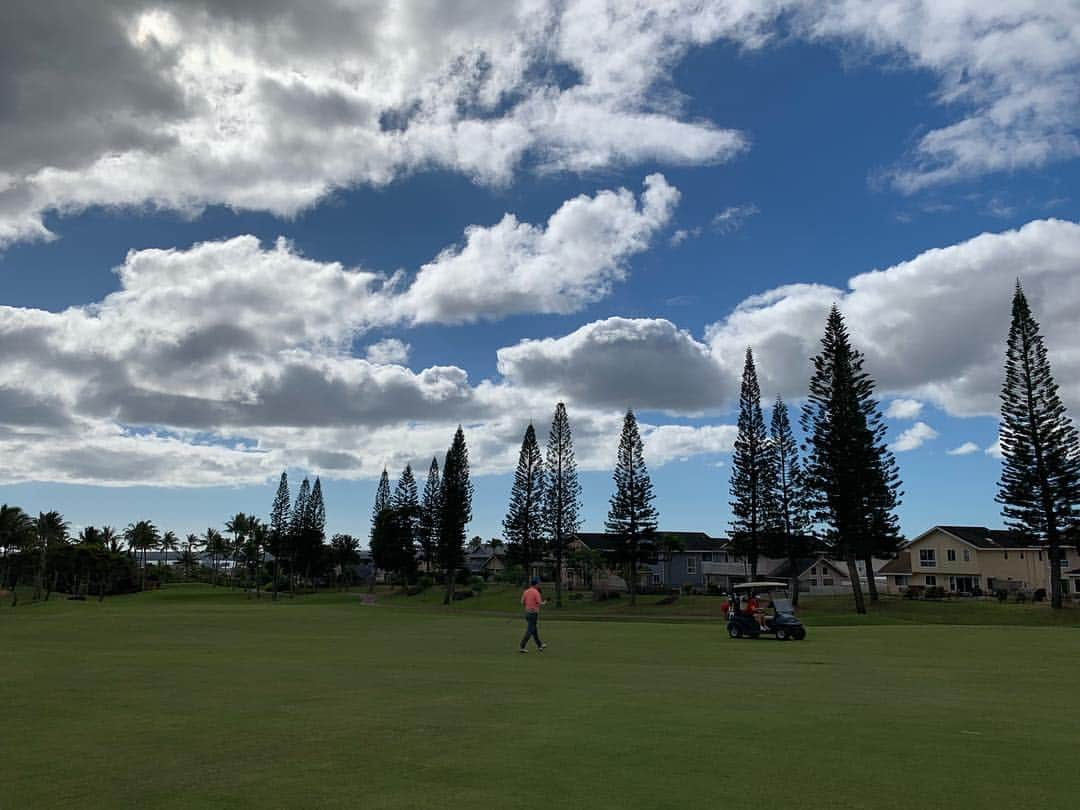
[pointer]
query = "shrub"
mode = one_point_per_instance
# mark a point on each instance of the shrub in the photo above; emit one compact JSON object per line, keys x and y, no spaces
{"x":459,"y":595}
{"x":477,"y":584}
{"x":935,"y":592}
{"x":1002,"y":595}
{"x":1039,"y":595}
{"x":669,"y":600}
{"x":576,"y":596}
{"x":914,"y":591}
{"x":1021,"y":596}
{"x":425,"y":582}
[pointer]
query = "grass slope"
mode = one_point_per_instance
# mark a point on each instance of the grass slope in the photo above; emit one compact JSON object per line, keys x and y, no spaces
{"x":188,"y":698}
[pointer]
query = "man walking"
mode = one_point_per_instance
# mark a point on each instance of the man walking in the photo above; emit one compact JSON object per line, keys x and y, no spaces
{"x":532,"y":600}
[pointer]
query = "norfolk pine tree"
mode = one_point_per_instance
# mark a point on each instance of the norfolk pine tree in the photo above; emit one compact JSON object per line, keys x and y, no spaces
{"x":790,"y":535}
{"x":379,"y":524}
{"x":279,"y":527}
{"x":851,"y":477}
{"x":752,"y":473}
{"x":430,"y":512}
{"x":1039,"y":488}
{"x":455,"y":510}
{"x":297,"y":528}
{"x":562,"y":494}
{"x":632,"y":518}
{"x":522,"y":525}
{"x":406,"y":507}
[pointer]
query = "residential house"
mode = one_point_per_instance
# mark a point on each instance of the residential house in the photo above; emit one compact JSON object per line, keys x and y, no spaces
{"x":975,"y":559}
{"x":486,"y":561}
{"x":817,"y":574}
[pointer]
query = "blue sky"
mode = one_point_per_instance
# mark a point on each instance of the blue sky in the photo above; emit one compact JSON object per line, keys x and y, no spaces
{"x":839,"y":169}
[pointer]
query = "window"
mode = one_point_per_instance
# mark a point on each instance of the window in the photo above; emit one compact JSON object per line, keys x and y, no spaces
{"x":931,"y":581}
{"x":927,"y":558}
{"x":967,"y":555}
{"x":706,"y":557}
{"x":657,"y":579}
{"x":901,"y":580}
{"x":723,"y":556}
{"x":1040,"y":556}
{"x":1006,"y":555}
{"x":813,"y":583}
{"x":827,"y":581}
{"x":691,"y":564}
{"x":1064,"y":586}
{"x":1021,"y":555}
{"x":1063,"y":563}
{"x":813,"y":572}
{"x":950,"y":555}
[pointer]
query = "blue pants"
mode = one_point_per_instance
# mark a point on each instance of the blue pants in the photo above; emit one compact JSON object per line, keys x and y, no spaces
{"x":530,"y":630}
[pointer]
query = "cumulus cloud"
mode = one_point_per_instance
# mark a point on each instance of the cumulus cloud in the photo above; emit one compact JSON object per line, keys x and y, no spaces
{"x":389,"y":350}
{"x":268,"y":106}
{"x":903,"y":409}
{"x":516,"y":267}
{"x":965,"y":449}
{"x":914,"y":437}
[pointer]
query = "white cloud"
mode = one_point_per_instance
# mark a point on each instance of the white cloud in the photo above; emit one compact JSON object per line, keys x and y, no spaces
{"x":516,"y":267}
{"x":994,"y":450}
{"x":270,"y":106}
{"x":904,"y":409}
{"x":389,"y":350}
{"x":734,"y":217}
{"x":965,"y":449}
{"x":914,"y":437}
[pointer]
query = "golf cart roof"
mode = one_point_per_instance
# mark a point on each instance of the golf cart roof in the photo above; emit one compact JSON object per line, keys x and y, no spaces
{"x":760,"y":586}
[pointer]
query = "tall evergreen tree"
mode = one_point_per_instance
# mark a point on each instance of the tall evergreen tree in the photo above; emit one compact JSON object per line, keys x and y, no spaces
{"x":297,"y":530}
{"x":790,"y":536}
{"x":851,"y":476}
{"x":406,"y":507}
{"x":632,"y":518}
{"x":310,"y":557}
{"x":753,"y":474}
{"x":1039,"y":488}
{"x":455,"y":510}
{"x":522,"y":525}
{"x":279,"y":528}
{"x":430,"y":515}
{"x":380,"y":523}
{"x":562,"y":494}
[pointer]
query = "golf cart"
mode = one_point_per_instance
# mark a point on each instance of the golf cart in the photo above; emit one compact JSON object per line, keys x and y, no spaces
{"x":783,"y":624}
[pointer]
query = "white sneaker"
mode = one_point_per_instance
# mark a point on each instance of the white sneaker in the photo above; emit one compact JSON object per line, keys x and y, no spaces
{"x":541,"y":648}
{"x":522,"y":650}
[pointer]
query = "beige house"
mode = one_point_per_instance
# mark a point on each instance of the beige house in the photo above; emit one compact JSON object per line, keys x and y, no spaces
{"x":975,"y":559}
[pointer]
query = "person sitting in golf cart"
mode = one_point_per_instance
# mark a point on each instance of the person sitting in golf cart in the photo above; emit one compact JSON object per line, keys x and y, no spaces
{"x":753,"y":609}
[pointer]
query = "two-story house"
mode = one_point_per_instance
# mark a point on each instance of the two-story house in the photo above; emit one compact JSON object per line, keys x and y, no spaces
{"x":972,"y":559}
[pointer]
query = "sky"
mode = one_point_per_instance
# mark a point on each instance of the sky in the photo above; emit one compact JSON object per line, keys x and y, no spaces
{"x":238,"y":238}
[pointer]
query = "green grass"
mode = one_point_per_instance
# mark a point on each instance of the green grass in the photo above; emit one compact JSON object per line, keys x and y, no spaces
{"x":193,"y":698}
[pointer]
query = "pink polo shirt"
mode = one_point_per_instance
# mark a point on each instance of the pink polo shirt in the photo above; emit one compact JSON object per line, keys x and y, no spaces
{"x":531,"y":600}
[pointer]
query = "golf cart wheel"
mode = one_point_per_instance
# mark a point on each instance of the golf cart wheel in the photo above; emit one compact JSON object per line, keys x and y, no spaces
{"x":781,"y":634}
{"x":734,"y":631}
{"x":799,"y":633}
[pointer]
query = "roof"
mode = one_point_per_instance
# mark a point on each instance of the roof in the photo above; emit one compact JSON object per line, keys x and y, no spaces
{"x":900,"y":565}
{"x":1074,"y":573}
{"x":746,"y":586}
{"x":693,"y":541}
{"x":984,"y":538}
{"x":803,"y":564}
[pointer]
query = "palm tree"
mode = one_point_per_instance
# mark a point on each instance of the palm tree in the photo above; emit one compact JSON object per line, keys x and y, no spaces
{"x":238,"y":527}
{"x":141,"y":537}
{"x":188,"y":558}
{"x":111,"y":540}
{"x":90,"y":536}
{"x":52,"y":531}
{"x":216,"y":547}
{"x":16,"y":534}
{"x":168,"y":542}
{"x":344,"y":551}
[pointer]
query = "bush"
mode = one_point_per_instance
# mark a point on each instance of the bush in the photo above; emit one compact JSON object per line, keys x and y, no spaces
{"x":459,"y":595}
{"x":425,"y":582}
{"x":669,"y":600}
{"x":688,"y":588}
{"x":477,"y":584}
{"x":1002,"y":595}
{"x":935,"y":592}
{"x":1039,"y":595}
{"x":1021,"y":596}
{"x":914,"y":591}
{"x":576,"y":596}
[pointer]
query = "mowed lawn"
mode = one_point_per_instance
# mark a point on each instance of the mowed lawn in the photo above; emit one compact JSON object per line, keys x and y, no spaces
{"x":188,"y":698}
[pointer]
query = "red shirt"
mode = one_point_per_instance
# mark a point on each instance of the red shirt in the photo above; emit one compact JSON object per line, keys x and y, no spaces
{"x":531,"y":599}
{"x":751,"y":605}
